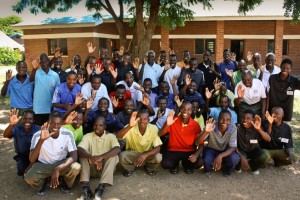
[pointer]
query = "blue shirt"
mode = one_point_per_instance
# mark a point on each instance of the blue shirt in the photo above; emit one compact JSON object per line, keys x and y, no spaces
{"x":194,"y":97}
{"x":22,"y":140}
{"x":64,"y":95}
{"x":170,"y":100}
{"x":44,"y":86}
{"x":225,"y":78}
{"x":113,"y":123}
{"x":215,"y":111}
{"x":21,"y":94}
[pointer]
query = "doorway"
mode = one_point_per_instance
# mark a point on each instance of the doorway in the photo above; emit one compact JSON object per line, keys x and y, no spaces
{"x":237,"y":47}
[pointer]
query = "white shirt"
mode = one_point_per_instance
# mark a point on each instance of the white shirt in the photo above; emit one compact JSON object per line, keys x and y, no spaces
{"x":69,"y":69}
{"x":267,"y":74}
{"x":170,"y":74}
{"x":55,"y":150}
{"x":101,"y":92}
{"x":160,"y":122}
{"x":254,"y":94}
{"x":136,"y":95}
{"x":153,"y":73}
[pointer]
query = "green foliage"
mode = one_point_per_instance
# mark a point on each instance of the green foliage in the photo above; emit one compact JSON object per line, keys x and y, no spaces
{"x":292,"y":8}
{"x":6,"y":22}
{"x":248,"y":5}
{"x":9,"y":56}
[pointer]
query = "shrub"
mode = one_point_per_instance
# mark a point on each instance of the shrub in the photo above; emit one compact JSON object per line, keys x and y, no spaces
{"x":9,"y":56}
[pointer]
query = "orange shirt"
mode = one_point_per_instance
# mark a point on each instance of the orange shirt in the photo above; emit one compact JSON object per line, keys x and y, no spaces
{"x":100,"y":62}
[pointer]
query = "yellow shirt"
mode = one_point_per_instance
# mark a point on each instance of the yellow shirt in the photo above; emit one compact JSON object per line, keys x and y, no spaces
{"x":135,"y":141}
{"x":96,"y":145}
{"x":200,"y":121}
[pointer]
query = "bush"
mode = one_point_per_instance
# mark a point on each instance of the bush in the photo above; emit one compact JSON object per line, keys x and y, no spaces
{"x":9,"y":56}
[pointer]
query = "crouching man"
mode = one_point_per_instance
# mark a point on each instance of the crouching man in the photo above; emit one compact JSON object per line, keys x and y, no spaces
{"x":53,"y":153}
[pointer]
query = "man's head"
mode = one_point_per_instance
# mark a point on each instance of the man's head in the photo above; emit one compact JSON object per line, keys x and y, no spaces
{"x":144,"y":118}
{"x":99,"y":125}
{"x":270,"y":60}
{"x":92,"y":61}
{"x":173,"y":60}
{"x":248,"y":117}
{"x":126,"y":59}
{"x":120,"y":92}
{"x":162,"y":103}
{"x":278,"y":114}
{"x":27,"y":120}
{"x":150,"y":57}
{"x":57,"y":63}
{"x":186,"y":56}
{"x":227,"y":55}
{"x":96,"y":81}
{"x":256,"y":58}
{"x":192,"y":87}
{"x":186,"y":110}
{"x":128,"y":106}
{"x":103,"y":104}
{"x":81,"y":72}
{"x":147,"y":85}
{"x":207,"y":55}
{"x":286,"y":66}
{"x":224,"y":120}
{"x":193,"y":64}
{"x":115,"y":55}
{"x":55,"y":122}
{"x":242,"y":65}
{"x":223,"y":88}
{"x":71,"y":79}
{"x":21,"y":68}
{"x":196,"y":108}
{"x":44,"y":62}
{"x":247,"y":78}
{"x":164,"y":88}
{"x":103,"y":52}
{"x":77,"y":122}
{"x":77,"y":61}
{"x":107,"y":64}
{"x":163,"y":56}
{"x":224,"y":102}
{"x":128,"y":78}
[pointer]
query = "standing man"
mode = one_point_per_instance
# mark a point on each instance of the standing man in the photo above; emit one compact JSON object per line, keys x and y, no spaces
{"x":227,"y":64}
{"x":268,"y":69}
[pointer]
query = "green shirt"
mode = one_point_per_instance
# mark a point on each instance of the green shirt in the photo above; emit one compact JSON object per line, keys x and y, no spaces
{"x":78,"y":133}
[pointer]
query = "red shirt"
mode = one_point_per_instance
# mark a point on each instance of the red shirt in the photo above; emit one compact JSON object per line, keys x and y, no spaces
{"x":182,"y":137}
{"x":100,"y":62}
{"x":121,"y":103}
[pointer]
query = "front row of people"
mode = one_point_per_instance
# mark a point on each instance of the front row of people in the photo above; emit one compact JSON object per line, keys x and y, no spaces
{"x":51,"y":158}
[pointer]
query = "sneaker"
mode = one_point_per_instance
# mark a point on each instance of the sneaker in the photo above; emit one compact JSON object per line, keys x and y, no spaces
{"x":87,"y":193}
{"x":238,"y":170}
{"x":99,"y":191}
{"x":45,"y":187}
{"x":256,"y":172}
{"x":63,"y":187}
{"x":189,"y":171}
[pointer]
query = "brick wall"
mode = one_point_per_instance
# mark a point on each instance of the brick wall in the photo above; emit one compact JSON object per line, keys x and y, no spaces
{"x":219,"y":41}
{"x":249,"y":27}
{"x":294,"y":54}
{"x":278,"y":40}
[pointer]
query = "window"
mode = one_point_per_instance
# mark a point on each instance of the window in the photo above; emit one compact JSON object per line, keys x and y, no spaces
{"x":271,"y":46}
{"x":54,"y":43}
{"x":202,"y":44}
{"x":102,"y":43}
{"x":285,"y":47}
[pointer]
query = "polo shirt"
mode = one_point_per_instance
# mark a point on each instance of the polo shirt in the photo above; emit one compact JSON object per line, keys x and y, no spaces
{"x":101,"y":92}
{"x":200,"y":121}
{"x":22,"y":140}
{"x":123,"y":117}
{"x":170,"y":74}
{"x":153,"y":72}
{"x":281,"y":93}
{"x":209,"y":76}
{"x":281,"y":137}
{"x":247,"y":138}
{"x":267,"y":74}
{"x":77,"y":133}
{"x":215,"y":111}
{"x":136,"y":95}
{"x":135,"y":141}
{"x":55,"y":150}
{"x":21,"y":94}
{"x":170,"y":100}
{"x":224,"y":77}
{"x":113,"y":123}
{"x":63,"y":95}
{"x":218,"y":141}
{"x":197,"y":76}
{"x":160,"y":122}
{"x":122,"y":70}
{"x":120,"y":106}
{"x":253,"y":94}
{"x":182,"y":137}
{"x":44,"y":86}
{"x":95,"y":145}
{"x":107,"y":80}
{"x":228,"y":93}
{"x":194,"y":97}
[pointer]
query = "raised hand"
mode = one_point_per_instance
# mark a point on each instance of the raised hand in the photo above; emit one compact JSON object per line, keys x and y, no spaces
{"x":72,"y":66}
{"x":208,"y":93}
{"x":170,"y":118}
{"x":13,"y":117}
{"x":35,"y":62}
{"x":81,"y":79}
{"x":249,"y":56}
{"x":177,"y":100}
{"x":136,"y":63}
{"x":145,"y":60}
{"x":45,"y":132}
{"x":89,"y":69}
{"x":90,"y":47}
{"x":98,"y":69}
{"x":173,"y":79}
{"x":257,"y":123}
{"x":159,"y":113}
{"x":114,"y":101}
{"x":269,"y":117}
{"x":188,"y":79}
{"x":89,"y":103}
{"x":8,"y":75}
{"x":210,"y":125}
{"x":146,"y":100}
{"x":133,"y":120}
{"x":57,"y":52}
{"x":71,"y":117}
{"x":171,"y":51}
{"x":229,"y":72}
{"x":113,"y":72}
{"x":217,"y":84}
{"x":121,"y":52}
{"x":240,"y":91}
{"x":140,"y":88}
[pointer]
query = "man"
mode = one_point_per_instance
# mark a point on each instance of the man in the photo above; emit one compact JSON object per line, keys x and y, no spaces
{"x":185,"y":60}
{"x":22,"y":135}
{"x":183,"y":131}
{"x":118,"y":97}
{"x":164,"y":89}
{"x":256,"y":59}
{"x":125,"y":115}
{"x":103,"y":54}
{"x":108,"y":75}
{"x":162,"y":58}
{"x":227,"y":64}
{"x":172,"y":72}
{"x":268,"y":69}
{"x":142,"y":145}
{"x":125,"y":66}
{"x":161,"y":112}
{"x":53,"y":162}
{"x":75,"y":64}
{"x":57,"y":62}
{"x":45,"y":81}
{"x":220,"y":150}
{"x":281,"y":89}
{"x":98,"y":154}
{"x":76,"y":126}
{"x":147,"y":90}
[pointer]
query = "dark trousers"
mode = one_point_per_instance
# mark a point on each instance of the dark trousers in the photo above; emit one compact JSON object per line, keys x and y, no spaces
{"x":228,"y":163}
{"x":171,"y":160}
{"x":40,"y":119}
{"x":258,"y":158}
{"x":22,"y":163}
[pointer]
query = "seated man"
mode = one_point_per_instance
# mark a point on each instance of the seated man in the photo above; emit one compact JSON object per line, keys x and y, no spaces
{"x":249,"y":133}
{"x":22,"y":135}
{"x":52,"y":162}
{"x":76,"y":126}
{"x":147,"y":89}
{"x":221,"y":89}
{"x":98,"y":154}
{"x":161,"y":112}
{"x":118,"y":96}
{"x":164,"y":89}
{"x":220,"y":150}
{"x":280,"y":148}
{"x":183,"y":131}
{"x":197,"y":114}
{"x":125,"y":115}
{"x":142,"y":145}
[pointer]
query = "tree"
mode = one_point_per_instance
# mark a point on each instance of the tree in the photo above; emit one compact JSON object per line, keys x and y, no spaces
{"x":6,"y":22}
{"x":146,"y":14}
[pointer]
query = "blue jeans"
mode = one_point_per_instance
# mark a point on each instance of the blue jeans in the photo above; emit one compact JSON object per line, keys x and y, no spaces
{"x":228,"y":163}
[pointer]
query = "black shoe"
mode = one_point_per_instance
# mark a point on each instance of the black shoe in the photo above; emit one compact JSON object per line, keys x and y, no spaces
{"x":87,"y":193}
{"x":127,"y":173}
{"x":45,"y":187}
{"x":150,"y":172}
{"x":189,"y":171}
{"x":63,"y":187}
{"x":99,"y":191}
{"x":174,"y":170}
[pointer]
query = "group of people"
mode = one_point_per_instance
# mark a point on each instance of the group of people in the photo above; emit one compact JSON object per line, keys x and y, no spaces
{"x":160,"y":112}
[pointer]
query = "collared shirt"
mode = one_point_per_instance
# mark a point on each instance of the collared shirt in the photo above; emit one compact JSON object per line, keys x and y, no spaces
{"x":197,"y":76}
{"x":247,"y":138}
{"x":44,"y":86}
{"x":21,"y":94}
{"x":209,"y":76}
{"x":182,"y":137}
{"x":113,"y":123}
{"x":225,"y":78}
{"x":253,"y":94}
{"x":22,"y":140}
{"x":218,"y":141}
{"x":215,"y":111}
{"x":62,"y":76}
{"x":123,"y":117}
{"x":281,"y":137}
{"x":152,"y":97}
{"x":77,"y":133}
{"x":95,"y":145}
{"x":136,"y":95}
{"x":228,"y":93}
{"x":160,"y":122}
{"x":153,"y":72}
{"x":170,"y":100}
{"x":281,"y":93}
{"x":267,"y":74}
{"x":194,"y":97}
{"x":120,"y":106}
{"x":170,"y":74}
{"x":135,"y":141}
{"x":63,"y":95}
{"x":55,"y":150}
{"x":101,"y":92}
{"x":107,"y":80}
